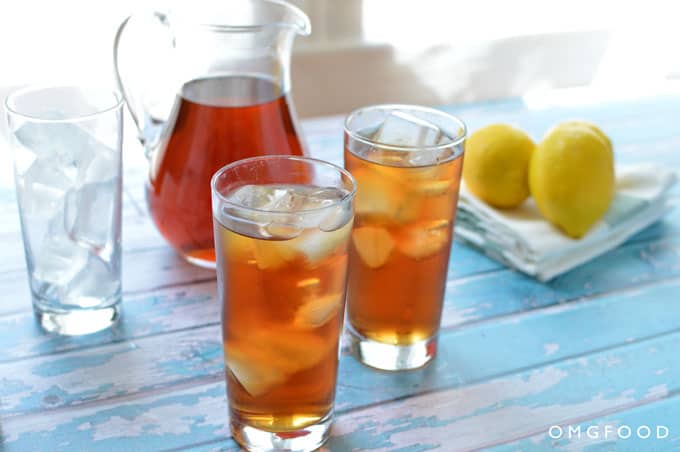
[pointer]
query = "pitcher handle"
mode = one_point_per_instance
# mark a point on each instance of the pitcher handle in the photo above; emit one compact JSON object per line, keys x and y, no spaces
{"x":149,"y":128}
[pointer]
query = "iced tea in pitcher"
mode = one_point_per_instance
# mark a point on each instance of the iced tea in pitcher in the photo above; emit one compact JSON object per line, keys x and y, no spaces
{"x":282,"y":230}
{"x":207,"y":83}
{"x":215,"y":121}
{"x":407,"y":162}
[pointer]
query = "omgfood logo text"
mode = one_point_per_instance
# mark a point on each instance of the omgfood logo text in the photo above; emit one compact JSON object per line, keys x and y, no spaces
{"x":608,"y":432}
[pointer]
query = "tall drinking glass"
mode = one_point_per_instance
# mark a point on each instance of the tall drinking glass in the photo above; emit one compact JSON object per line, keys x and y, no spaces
{"x":407,"y":162}
{"x":66,"y":143}
{"x":282,"y":226}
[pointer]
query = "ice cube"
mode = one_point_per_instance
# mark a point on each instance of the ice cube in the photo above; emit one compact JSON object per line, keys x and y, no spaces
{"x":380,"y":197}
{"x":277,"y":206}
{"x":89,"y":213}
{"x":269,"y":356}
{"x":312,"y":245}
{"x":297,"y":350}
{"x":95,"y":283}
{"x":318,"y":310}
{"x":244,"y":222}
{"x":101,"y":165}
{"x":44,"y":187}
{"x":23,"y":159}
{"x":326,"y":196}
{"x":273,"y":254}
{"x":424,"y":239}
{"x":433,"y":187}
{"x":404,"y":129}
{"x":283,"y":213}
{"x":373,"y":244}
{"x":429,"y":181}
{"x":282,"y":227}
{"x":57,"y":259}
{"x":316,"y":245}
{"x":335,"y":217}
{"x":250,"y":196}
{"x":252,"y":368}
{"x":68,"y":145}
{"x":283,"y":199}
{"x":273,"y":198}
{"x":428,"y":157}
{"x":46,"y":139}
{"x":293,"y":198}
{"x":386,"y":158}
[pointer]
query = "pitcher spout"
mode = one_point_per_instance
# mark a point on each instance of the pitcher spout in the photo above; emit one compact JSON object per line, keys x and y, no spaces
{"x":295,"y":18}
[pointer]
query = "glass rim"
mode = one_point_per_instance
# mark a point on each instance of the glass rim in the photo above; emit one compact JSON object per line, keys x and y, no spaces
{"x":119,"y":100}
{"x":302,"y":26}
{"x":394,"y":147}
{"x":348,"y":196}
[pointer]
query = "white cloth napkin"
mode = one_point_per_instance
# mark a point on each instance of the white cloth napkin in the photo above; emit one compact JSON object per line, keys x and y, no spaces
{"x":523,"y":239}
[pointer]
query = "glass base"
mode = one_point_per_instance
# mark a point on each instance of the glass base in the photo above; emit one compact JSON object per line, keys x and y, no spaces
{"x":391,"y":357}
{"x":77,"y":322}
{"x":306,"y":439}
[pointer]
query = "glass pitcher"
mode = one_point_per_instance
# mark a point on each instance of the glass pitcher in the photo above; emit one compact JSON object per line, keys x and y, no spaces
{"x":207,"y":83}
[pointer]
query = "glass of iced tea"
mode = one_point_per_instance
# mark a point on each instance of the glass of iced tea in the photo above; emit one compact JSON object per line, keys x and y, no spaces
{"x":282,"y":228}
{"x":407,"y":163}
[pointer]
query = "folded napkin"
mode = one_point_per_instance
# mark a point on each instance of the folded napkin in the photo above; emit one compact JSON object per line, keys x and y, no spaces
{"x":523,"y":239}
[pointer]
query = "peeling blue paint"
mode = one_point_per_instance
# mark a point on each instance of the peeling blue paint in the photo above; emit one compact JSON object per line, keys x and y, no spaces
{"x":70,"y":364}
{"x":139,"y":317}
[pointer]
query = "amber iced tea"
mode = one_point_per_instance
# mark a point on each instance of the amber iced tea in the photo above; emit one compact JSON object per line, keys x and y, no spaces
{"x":400,"y":248}
{"x":215,"y":121}
{"x":282,"y":276}
{"x":404,"y":214}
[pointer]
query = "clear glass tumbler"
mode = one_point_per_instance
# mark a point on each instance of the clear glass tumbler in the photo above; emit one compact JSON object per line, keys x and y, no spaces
{"x":66,"y":143}
{"x":282,"y":227}
{"x":407,"y":162}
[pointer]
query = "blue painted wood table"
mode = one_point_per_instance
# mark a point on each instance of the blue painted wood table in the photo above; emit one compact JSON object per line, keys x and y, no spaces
{"x":597,"y":347}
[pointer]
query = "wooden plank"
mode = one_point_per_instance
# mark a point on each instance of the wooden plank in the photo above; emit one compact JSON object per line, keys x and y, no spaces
{"x":159,"y":361}
{"x":467,"y":356}
{"x":166,"y":310}
{"x":480,"y":414}
{"x":514,"y":406}
{"x":507,"y":292}
{"x":153,"y":422}
{"x":69,"y":379}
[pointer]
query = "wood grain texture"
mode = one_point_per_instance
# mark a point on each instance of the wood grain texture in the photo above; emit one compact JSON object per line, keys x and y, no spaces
{"x":506,"y":345}
{"x":594,"y":346}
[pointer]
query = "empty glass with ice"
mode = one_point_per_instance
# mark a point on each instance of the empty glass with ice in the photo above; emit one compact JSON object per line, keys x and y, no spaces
{"x":66,"y":143}
{"x":282,"y":226}
{"x":407,"y":163}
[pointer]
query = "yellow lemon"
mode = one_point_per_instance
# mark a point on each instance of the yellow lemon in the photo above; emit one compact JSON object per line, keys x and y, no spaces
{"x":587,"y":125}
{"x":496,"y":165}
{"x":571,"y":176}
